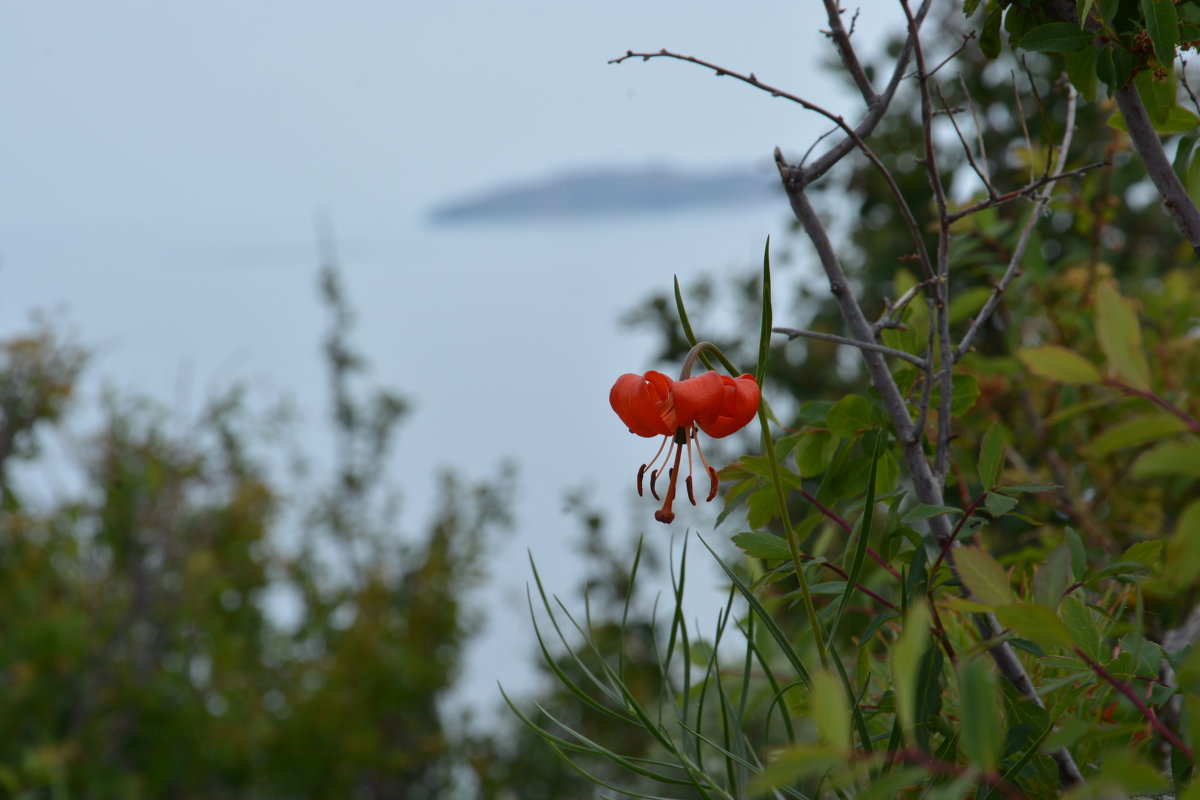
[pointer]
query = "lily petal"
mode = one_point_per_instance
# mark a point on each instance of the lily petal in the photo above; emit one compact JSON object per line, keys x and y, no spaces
{"x":698,"y":398}
{"x":645,"y":403}
{"x":737,"y":406}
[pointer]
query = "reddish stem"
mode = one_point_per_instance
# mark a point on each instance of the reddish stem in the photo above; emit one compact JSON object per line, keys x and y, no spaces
{"x":1148,"y":712}
{"x":844,"y":525}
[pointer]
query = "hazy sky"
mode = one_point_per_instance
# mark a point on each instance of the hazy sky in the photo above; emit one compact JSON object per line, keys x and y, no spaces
{"x":161,"y":164}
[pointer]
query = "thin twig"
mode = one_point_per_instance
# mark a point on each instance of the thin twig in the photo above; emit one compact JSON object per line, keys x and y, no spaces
{"x":793,"y":333}
{"x":1187,"y":419}
{"x":1025,"y":191}
{"x":846,"y":53}
{"x":983,"y":178}
{"x":1014,"y":263}
{"x":941,"y":319}
{"x":1141,"y":706}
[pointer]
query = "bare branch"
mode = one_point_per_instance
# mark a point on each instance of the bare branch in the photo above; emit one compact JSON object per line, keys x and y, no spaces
{"x":846,"y":53}
{"x":1014,"y":263}
{"x":794,"y":333}
{"x":983,"y":178}
{"x":1024,"y":191}
{"x":1158,"y":167}
{"x":875,"y":113}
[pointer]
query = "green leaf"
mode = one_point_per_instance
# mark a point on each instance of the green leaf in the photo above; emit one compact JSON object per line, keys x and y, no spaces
{"x":814,"y":453}
{"x":983,"y":576}
{"x":906,"y":660}
{"x":1134,"y":432}
{"x":1169,"y":458}
{"x":962,"y":396}
{"x":761,"y":544}
{"x":981,"y":731}
{"x":1055,"y":37}
{"x":1051,"y":578}
{"x":764,"y":337}
{"x":1180,"y":120}
{"x":1158,"y":95}
{"x":1146,"y":552}
{"x":1035,"y":622}
{"x":989,"y":34}
{"x":1162,"y":25}
{"x":1081,"y":625}
{"x":1027,"y":488}
{"x":999,"y":504}
{"x":991,"y":455}
{"x":831,"y":711}
{"x":850,"y":416}
{"x":1059,"y":364}
{"x":1078,"y":554}
{"x":1081,"y":69}
{"x":967,"y":304}
{"x":793,"y":764}
{"x":1181,"y":566}
{"x":923,"y":511}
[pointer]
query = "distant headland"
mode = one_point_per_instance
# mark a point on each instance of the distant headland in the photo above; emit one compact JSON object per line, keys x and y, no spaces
{"x":610,"y":192}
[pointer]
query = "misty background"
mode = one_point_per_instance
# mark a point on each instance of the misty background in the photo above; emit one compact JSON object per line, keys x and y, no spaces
{"x":165,"y":165}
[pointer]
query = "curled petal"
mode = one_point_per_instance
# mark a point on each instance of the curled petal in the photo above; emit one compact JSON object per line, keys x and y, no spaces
{"x":698,"y":398}
{"x":645,"y":403}
{"x":737,"y":406}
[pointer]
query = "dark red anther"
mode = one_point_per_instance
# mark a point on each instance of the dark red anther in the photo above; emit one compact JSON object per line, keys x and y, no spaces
{"x":712,"y":492}
{"x":641,"y":472}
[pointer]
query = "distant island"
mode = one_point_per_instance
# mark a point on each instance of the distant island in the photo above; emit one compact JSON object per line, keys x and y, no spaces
{"x":599,"y":192}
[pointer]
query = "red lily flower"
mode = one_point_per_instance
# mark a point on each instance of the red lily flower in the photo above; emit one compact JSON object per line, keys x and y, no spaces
{"x":654,"y":405}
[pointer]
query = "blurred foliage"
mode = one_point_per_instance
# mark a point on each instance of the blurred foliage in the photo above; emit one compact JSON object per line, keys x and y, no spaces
{"x":182,"y":624}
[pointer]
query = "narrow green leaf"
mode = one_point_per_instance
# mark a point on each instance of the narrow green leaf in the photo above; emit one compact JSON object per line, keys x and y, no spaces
{"x":991,"y":455}
{"x":1085,"y":634}
{"x":1120,"y":337}
{"x":1162,"y":24}
{"x":1169,"y":458}
{"x":764,"y":336}
{"x":1082,"y":9}
{"x":1035,"y":622}
{"x":923,"y":511}
{"x":1059,"y":364}
{"x":1181,"y":566}
{"x":1078,"y":554}
{"x":1055,"y":37}
{"x":686,"y":324}
{"x":1134,"y":432}
{"x":1051,"y":578}
{"x":981,"y":733}
{"x":831,"y":712}
{"x":983,"y":576}
{"x":906,"y":660}
{"x":761,"y":544}
{"x":860,"y":546}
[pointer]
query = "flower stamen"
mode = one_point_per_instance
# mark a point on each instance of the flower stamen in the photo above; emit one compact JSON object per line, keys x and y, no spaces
{"x":665,"y":514}
{"x":712,"y":473}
